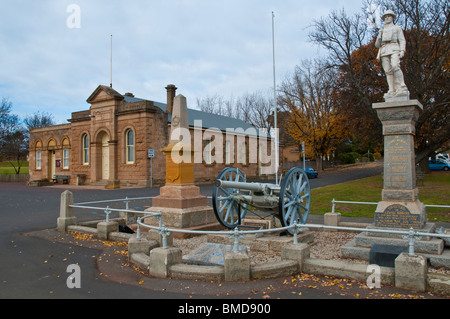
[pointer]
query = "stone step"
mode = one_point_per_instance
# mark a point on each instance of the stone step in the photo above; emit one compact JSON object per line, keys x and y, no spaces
{"x":431,"y":246}
{"x":351,"y":250}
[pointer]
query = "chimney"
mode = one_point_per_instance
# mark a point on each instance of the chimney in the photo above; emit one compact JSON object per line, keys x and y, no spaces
{"x":171,"y":90}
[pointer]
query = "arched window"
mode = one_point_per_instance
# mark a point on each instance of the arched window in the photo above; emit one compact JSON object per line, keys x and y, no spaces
{"x":129,"y":136}
{"x":38,"y":155}
{"x":66,"y":147}
{"x":85,"y":147}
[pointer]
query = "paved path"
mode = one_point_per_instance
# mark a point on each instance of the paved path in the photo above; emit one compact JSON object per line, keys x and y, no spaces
{"x":34,"y":257}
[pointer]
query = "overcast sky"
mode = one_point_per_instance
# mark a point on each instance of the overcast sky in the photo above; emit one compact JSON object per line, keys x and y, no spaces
{"x":51,"y":61}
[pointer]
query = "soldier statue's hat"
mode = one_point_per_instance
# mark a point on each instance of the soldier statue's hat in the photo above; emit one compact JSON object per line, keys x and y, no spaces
{"x":387,"y":13}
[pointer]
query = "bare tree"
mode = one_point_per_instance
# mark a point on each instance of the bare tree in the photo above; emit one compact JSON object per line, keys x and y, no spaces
{"x":13,"y":141}
{"x":38,"y":119}
{"x":253,"y":108}
{"x":426,"y":63}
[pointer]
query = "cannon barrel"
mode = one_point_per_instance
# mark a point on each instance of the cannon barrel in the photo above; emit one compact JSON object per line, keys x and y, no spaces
{"x":255,"y":187}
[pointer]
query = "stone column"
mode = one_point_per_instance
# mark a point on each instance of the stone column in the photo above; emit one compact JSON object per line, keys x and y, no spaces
{"x":400,"y":206}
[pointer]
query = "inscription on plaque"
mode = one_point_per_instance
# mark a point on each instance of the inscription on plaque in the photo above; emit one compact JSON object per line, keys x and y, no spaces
{"x":397,"y":216}
{"x":398,"y":163}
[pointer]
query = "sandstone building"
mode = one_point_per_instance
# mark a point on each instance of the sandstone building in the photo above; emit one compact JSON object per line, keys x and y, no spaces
{"x":109,"y":144}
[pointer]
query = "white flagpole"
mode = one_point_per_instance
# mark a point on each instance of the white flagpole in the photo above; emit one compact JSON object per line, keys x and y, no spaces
{"x":275,"y":101}
{"x":110,"y":71}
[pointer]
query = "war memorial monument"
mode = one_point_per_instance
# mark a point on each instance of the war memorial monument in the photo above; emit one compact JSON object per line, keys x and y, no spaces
{"x":400,"y":208}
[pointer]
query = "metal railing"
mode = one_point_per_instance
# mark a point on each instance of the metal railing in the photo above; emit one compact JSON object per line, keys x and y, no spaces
{"x":236,"y":234}
{"x":411,"y":234}
{"x":334,"y":202}
{"x":108,"y":210}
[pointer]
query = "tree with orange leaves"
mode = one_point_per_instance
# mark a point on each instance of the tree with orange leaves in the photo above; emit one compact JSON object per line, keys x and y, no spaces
{"x":309,"y":100}
{"x":426,"y":65}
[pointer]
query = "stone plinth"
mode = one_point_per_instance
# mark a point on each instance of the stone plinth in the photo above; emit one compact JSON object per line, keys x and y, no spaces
{"x":66,"y":214}
{"x":104,"y":228}
{"x":162,"y":259}
{"x":237,"y":265}
{"x":180,"y":201}
{"x":400,"y":206}
{"x":411,"y":272}
{"x":194,"y":218}
{"x":180,"y":197}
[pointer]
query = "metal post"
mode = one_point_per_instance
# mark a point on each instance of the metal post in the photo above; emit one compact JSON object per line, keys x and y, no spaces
{"x":296,"y":229}
{"x":138,"y":231}
{"x":303,"y":151}
{"x":412,"y":239}
{"x":127,"y":201}
{"x":111,"y":62}
{"x":107,"y":212}
{"x":236,"y":235}
{"x":163,"y":231}
{"x":332,"y":206}
{"x":275,"y":101}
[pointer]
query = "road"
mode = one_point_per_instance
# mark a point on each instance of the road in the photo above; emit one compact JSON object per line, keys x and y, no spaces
{"x":34,"y":257}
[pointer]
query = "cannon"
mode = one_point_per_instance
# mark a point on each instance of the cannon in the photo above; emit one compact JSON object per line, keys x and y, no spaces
{"x":232,"y":196}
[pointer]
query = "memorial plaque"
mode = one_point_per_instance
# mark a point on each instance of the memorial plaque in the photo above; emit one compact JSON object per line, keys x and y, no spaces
{"x":397,"y":216}
{"x":398,"y":163}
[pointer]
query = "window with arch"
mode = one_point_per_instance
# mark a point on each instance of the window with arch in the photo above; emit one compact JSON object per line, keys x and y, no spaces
{"x":38,"y":155}
{"x":85,"y":147}
{"x":129,"y":137}
{"x":66,"y":147}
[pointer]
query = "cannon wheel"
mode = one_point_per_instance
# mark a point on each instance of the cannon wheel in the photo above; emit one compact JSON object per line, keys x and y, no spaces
{"x":295,"y":198}
{"x":225,"y":207}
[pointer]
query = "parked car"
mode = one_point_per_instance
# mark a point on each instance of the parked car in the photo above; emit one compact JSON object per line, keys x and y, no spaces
{"x":311,"y":172}
{"x":445,"y":157}
{"x":438,"y":165}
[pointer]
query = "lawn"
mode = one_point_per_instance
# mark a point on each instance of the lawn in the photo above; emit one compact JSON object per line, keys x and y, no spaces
{"x":435,"y":191}
{"x":6,"y":168}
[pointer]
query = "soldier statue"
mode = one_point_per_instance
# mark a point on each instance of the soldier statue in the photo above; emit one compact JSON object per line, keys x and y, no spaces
{"x":392,"y":45}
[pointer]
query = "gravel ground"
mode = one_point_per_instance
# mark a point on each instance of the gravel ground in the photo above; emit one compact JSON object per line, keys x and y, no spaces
{"x":327,"y":245}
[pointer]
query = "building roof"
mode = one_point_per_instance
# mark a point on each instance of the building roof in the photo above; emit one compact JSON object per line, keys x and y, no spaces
{"x":208,"y":120}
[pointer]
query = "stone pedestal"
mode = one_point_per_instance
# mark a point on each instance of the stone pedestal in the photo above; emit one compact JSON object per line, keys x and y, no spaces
{"x":411,"y":272}
{"x":400,"y":206}
{"x":237,"y":265}
{"x":162,"y":259}
{"x":66,"y":215}
{"x":104,"y":228}
{"x":180,"y":201}
{"x":298,"y":252}
{"x":140,"y":245}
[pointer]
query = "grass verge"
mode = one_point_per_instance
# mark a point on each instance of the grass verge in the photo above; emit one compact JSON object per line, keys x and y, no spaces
{"x":434,"y":191}
{"x":7,"y":169}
